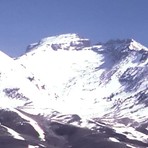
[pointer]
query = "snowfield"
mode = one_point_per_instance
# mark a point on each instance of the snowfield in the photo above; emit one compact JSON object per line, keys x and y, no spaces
{"x":65,"y":81}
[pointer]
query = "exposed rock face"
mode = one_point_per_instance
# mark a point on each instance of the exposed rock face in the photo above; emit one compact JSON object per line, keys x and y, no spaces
{"x":19,"y":133}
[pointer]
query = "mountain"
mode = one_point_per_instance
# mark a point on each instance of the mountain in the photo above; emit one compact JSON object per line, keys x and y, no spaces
{"x":65,"y":92}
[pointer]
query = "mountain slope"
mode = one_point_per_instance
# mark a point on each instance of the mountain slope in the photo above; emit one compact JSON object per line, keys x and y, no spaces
{"x":95,"y":76}
{"x":64,"y":80}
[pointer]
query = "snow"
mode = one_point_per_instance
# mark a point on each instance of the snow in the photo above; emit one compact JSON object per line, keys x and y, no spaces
{"x":135,"y":45}
{"x":31,"y":146}
{"x":72,"y":77}
{"x":33,"y":123}
{"x":72,"y":64}
{"x":65,"y":41}
{"x":132,"y":133}
{"x":9,"y":103}
{"x":113,"y":139}
{"x":13,"y":133}
{"x":75,"y":81}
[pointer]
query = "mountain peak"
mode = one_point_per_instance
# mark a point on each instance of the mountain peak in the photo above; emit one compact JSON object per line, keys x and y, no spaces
{"x":136,"y":45}
{"x":69,"y":41}
{"x":126,"y":43}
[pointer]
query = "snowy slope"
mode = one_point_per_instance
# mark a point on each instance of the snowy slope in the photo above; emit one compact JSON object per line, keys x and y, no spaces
{"x":94,"y":78}
{"x":65,"y":79}
{"x":15,"y":86}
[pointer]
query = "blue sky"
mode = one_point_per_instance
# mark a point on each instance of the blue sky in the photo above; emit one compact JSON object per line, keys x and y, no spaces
{"x":26,"y":21}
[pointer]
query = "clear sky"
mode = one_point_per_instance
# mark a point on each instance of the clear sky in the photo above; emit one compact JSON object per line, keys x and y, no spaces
{"x":26,"y":21}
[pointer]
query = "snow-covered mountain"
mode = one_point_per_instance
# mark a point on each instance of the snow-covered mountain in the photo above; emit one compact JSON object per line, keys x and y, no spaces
{"x":65,"y":92}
